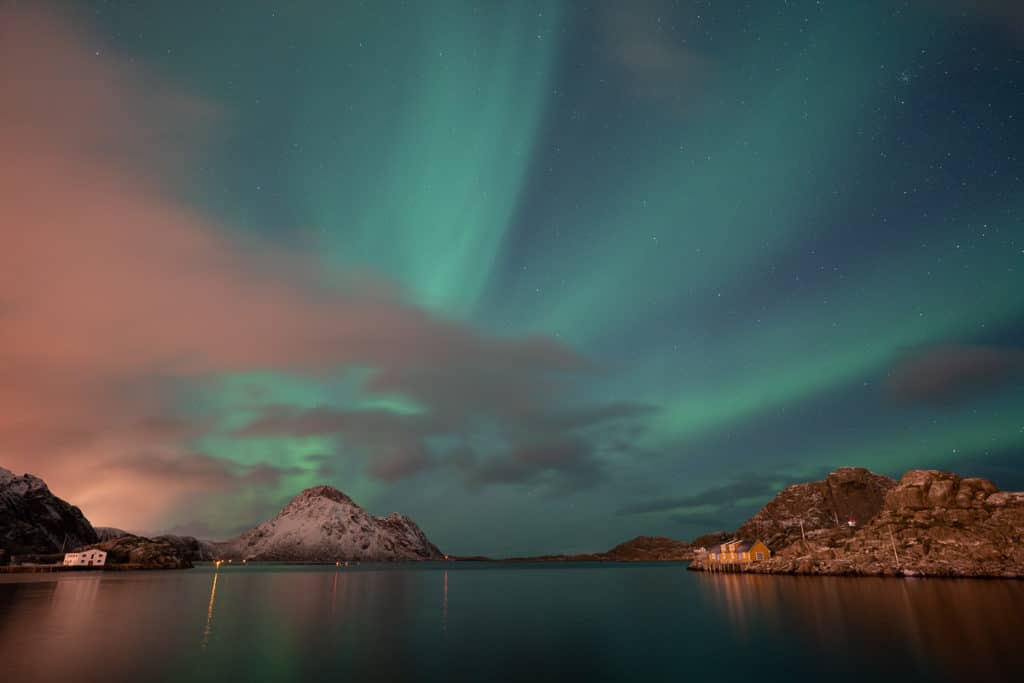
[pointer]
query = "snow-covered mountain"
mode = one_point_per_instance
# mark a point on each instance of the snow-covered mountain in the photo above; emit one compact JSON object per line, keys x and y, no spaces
{"x":322,"y":524}
{"x":33,"y":520}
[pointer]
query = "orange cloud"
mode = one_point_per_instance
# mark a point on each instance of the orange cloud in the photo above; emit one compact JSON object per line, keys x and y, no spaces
{"x":112,"y":289}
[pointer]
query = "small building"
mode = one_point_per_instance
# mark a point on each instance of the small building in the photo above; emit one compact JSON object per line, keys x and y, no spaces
{"x":86,"y":558}
{"x":737,"y":550}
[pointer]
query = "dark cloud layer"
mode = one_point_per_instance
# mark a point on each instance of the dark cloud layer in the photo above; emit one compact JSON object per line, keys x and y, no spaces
{"x":718,"y":497}
{"x":533,"y":441}
{"x":949,"y":373}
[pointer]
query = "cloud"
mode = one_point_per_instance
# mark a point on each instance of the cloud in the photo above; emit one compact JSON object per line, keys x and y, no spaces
{"x":117,"y":298}
{"x":649,"y":55}
{"x":400,"y":463}
{"x":564,"y":463}
{"x":945,"y":373}
{"x":528,"y":442}
{"x":717,"y":497}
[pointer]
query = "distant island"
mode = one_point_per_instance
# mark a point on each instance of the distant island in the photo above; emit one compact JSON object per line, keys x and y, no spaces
{"x":853,"y":522}
{"x":639,"y":549}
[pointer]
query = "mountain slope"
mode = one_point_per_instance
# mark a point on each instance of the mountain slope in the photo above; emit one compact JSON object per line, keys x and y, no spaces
{"x":322,"y":524}
{"x":33,"y":520}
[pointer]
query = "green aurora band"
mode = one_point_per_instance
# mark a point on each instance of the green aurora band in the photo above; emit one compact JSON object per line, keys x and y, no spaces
{"x":685,"y":244}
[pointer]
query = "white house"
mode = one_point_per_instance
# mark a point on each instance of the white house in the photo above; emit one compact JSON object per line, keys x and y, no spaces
{"x":86,"y":558}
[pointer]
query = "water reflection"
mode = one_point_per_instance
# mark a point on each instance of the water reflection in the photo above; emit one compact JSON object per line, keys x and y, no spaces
{"x":278,"y":623}
{"x":952,"y":627}
{"x":74,"y":626}
{"x":444,"y":604}
{"x":209,"y":612}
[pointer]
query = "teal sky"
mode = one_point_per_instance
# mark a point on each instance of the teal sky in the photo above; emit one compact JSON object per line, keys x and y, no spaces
{"x":677,"y":254}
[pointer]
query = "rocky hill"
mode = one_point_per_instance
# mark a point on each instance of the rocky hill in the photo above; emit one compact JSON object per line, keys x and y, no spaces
{"x":190,"y":547}
{"x":650,"y":549}
{"x":127,"y":550}
{"x":138,"y":552}
{"x":847,"y":492}
{"x":33,"y":520}
{"x":322,"y":524}
{"x":929,"y":524}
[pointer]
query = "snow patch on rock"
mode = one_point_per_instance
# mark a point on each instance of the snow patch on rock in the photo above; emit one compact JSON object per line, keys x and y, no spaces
{"x":322,"y":524}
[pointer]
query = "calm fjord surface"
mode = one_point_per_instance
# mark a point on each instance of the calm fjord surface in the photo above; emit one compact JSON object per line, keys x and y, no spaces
{"x":498,"y":622}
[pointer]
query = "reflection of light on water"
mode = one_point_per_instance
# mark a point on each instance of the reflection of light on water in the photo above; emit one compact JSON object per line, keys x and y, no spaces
{"x":733,"y":594}
{"x":931,"y":623}
{"x":444,"y":604}
{"x":209,"y":612}
{"x":75,"y":596}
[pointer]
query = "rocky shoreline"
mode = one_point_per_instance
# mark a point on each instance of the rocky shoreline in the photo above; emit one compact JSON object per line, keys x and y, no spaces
{"x":929,"y":524}
{"x":852,"y":523}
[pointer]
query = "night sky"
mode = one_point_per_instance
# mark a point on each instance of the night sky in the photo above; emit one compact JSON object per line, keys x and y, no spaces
{"x":544,"y":276}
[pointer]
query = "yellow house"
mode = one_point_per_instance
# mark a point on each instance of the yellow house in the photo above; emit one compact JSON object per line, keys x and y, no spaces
{"x":738,"y":550}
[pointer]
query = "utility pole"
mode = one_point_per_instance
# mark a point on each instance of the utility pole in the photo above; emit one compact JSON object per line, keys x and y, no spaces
{"x":892,"y":539}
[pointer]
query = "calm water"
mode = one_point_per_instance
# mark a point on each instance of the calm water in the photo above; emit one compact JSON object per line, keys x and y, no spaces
{"x":503,"y":623}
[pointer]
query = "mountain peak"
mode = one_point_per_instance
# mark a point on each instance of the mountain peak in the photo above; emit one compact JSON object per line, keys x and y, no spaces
{"x":323,"y":524}
{"x":322,"y":491}
{"x":33,"y":520}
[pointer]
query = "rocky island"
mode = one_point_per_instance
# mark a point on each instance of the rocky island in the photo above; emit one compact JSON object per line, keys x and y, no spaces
{"x":322,"y":524}
{"x":929,"y":523}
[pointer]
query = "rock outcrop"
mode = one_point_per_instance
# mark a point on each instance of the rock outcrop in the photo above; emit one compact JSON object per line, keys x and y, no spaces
{"x":159,"y":552}
{"x":847,"y":492}
{"x":192,"y":548}
{"x":650,"y":549}
{"x":139,"y":552}
{"x":322,"y":524}
{"x":931,"y":523}
{"x":33,"y":520}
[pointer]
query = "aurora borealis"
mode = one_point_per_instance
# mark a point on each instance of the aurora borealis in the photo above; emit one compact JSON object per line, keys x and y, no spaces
{"x":542,"y":275}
